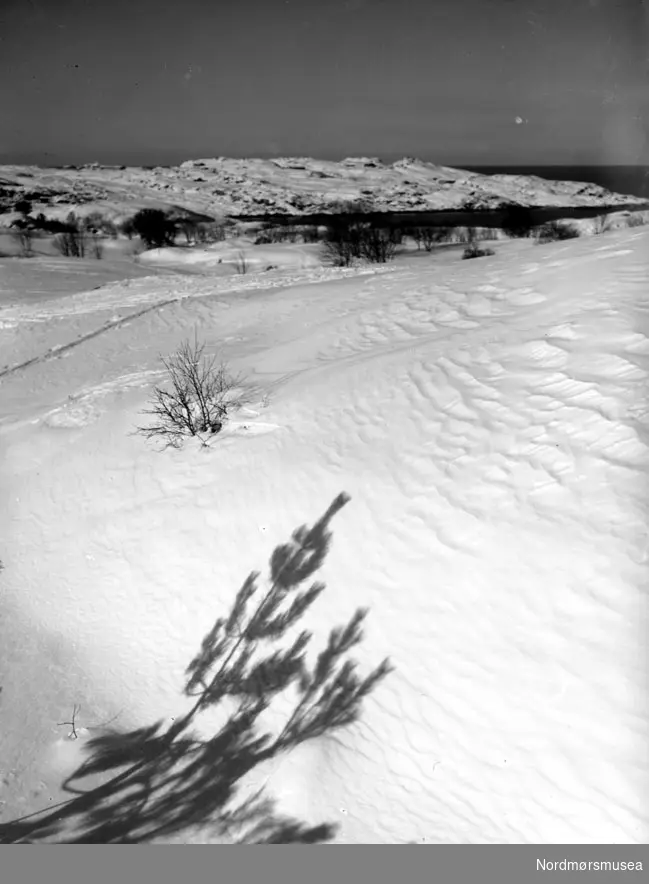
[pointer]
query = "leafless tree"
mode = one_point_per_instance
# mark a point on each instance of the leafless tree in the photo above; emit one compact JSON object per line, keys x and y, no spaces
{"x":377,"y":245}
{"x":97,"y":247}
{"x":210,"y":231}
{"x":241,"y":263}
{"x":24,"y":238}
{"x":601,"y":224}
{"x":189,"y":228}
{"x":432,"y":236}
{"x":417,"y":235}
{"x":70,"y":244}
{"x":340,"y":248}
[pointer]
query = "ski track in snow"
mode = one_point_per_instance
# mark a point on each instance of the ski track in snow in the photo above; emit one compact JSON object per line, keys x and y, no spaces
{"x":491,"y":426}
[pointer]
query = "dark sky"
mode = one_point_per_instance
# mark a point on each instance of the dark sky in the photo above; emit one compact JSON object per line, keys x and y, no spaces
{"x":159,"y":81}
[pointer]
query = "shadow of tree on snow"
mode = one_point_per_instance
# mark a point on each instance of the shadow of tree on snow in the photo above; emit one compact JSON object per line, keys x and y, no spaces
{"x":168,"y":784}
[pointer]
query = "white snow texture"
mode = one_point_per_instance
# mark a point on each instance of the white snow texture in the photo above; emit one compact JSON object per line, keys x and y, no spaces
{"x":489,"y":420}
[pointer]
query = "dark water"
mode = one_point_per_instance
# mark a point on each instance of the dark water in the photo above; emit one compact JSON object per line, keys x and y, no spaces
{"x":629,"y":180}
{"x":437,"y":217}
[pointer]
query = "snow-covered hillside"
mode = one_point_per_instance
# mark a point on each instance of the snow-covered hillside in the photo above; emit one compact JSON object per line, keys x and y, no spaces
{"x":290,"y":185}
{"x":488,"y":418}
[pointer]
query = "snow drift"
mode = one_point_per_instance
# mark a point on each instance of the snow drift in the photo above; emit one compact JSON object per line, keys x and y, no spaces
{"x":490,"y":424}
{"x":235,"y":256}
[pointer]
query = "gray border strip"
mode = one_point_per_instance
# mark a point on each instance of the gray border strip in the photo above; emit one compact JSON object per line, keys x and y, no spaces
{"x":325,"y":864}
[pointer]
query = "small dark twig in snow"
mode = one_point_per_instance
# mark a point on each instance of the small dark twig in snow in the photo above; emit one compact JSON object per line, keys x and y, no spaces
{"x":74,"y":734}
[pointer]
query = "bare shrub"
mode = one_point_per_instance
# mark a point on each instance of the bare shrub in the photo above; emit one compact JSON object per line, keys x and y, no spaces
{"x":417,"y":235}
{"x":241,"y":263}
{"x":70,"y":244}
{"x":464,"y":235}
{"x":189,"y":228}
{"x":553,"y":231}
{"x":377,"y":245}
{"x":342,"y":243}
{"x":431,"y":236}
{"x":202,"y":235}
{"x":201,"y":396}
{"x":636,"y":219}
{"x":96,"y":247}
{"x":471,"y":234}
{"x":348,"y":240}
{"x":339,"y":251}
{"x":268,"y":233}
{"x":484,"y":234}
{"x":276,"y":233}
{"x":288,"y":233}
{"x":221,"y":231}
{"x":474,"y":251}
{"x":210,"y":231}
{"x":24,"y":239}
{"x":91,"y":227}
{"x":310,"y":233}
{"x":602,"y":224}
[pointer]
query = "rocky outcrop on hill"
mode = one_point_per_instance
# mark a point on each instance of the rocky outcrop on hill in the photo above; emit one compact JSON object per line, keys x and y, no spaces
{"x":292,"y":186}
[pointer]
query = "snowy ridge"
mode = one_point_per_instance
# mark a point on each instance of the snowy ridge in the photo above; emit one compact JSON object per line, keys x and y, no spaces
{"x":294,"y":185}
{"x":490,"y":424}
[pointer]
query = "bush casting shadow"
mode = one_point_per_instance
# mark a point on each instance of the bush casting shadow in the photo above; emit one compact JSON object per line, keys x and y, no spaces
{"x":199,"y":401}
{"x":166,"y":780}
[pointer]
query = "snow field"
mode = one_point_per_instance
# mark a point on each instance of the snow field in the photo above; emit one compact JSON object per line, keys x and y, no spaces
{"x":490,"y":425}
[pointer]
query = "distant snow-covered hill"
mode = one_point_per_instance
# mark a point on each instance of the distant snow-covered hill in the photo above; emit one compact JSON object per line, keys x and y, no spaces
{"x":289,"y":185}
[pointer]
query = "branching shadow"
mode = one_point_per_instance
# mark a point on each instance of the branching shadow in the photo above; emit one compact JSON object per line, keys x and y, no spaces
{"x":165,"y":782}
